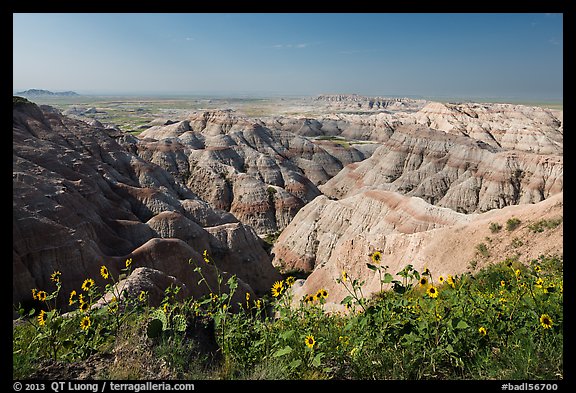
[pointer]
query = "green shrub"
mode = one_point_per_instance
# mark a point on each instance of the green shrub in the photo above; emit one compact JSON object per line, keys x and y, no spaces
{"x":490,"y":325}
{"x":512,"y":223}
{"x":516,"y":243}
{"x":495,"y":227}
{"x":482,"y":249}
{"x":541,"y":225}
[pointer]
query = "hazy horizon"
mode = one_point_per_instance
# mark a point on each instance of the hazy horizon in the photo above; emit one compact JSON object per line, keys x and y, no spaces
{"x":515,"y":57}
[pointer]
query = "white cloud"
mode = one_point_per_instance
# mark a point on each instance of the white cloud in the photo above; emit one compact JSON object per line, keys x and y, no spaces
{"x":554,"y":41}
{"x":292,"y":46}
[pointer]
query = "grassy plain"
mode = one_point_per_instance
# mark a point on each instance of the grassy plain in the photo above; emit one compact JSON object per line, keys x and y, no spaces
{"x":130,"y":113}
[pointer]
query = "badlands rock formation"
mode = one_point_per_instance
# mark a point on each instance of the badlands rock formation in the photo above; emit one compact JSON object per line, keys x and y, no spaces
{"x":356,"y":102}
{"x":511,"y":127}
{"x":428,"y":194}
{"x":82,"y":198}
{"x":261,"y":176}
{"x":419,"y":181}
{"x":407,"y":231}
{"x":454,"y":171}
{"x":507,"y":126}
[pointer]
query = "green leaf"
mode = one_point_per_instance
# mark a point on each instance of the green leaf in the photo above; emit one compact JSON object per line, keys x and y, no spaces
{"x":154,"y":328}
{"x":233,"y":283}
{"x":317,"y":359}
{"x":371,"y":267}
{"x":161,"y":316}
{"x":462,"y":325}
{"x":387,"y":278}
{"x":287,"y":334}
{"x":32,"y":312}
{"x":179,"y":323}
{"x":67,"y":344}
{"x":295,"y":363}
{"x":281,"y":352}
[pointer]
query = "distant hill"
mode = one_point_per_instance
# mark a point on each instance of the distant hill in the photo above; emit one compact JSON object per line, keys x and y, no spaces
{"x":43,"y":93}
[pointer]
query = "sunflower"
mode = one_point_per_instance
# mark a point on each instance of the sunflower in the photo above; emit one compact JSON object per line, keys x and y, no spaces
{"x":55,"y":276}
{"x":104,"y":272}
{"x":432,"y":291}
{"x":539,"y":283}
{"x":482,"y":330}
{"x":426,"y":272}
{"x":344,"y":276}
{"x":546,"y":321}
{"x":308,"y":298}
{"x":277,"y":288}
{"x":441,"y":279}
{"x":290,"y":281}
{"x":376,"y":256}
{"x":34,"y":293}
{"x":537,"y":269}
{"x":128,"y":262}
{"x":258,"y":304}
{"x":41,"y":319}
{"x":113,"y":308}
{"x":502,"y":283}
{"x":84,"y":306}
{"x":309,"y":340}
{"x":322,"y":293}
{"x":247,"y":296}
{"x":142,"y":296}
{"x":423,"y":281}
{"x":87,"y":284}
{"x":41,"y":295}
{"x":206,"y":257}
{"x":71,"y":300}
{"x":517,"y":273}
{"x":85,"y":323}
{"x":450,"y":281}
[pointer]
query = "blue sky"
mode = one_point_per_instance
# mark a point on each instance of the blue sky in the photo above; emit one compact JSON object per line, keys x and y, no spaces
{"x":429,"y":55}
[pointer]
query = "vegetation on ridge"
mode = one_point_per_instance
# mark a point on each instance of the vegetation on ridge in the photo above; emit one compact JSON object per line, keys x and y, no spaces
{"x":494,"y":324}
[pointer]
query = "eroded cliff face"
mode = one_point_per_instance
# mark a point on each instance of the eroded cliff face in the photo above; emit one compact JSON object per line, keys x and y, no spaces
{"x":458,"y":172}
{"x":511,"y":127}
{"x":439,"y":239}
{"x":428,"y":194}
{"x":83,"y":197}
{"x":262,"y":176}
{"x":421,"y":182}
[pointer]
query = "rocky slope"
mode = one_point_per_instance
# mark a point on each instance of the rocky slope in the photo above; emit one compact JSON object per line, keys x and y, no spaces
{"x":505,"y":126}
{"x":356,"y":102}
{"x":511,"y":127}
{"x":262,"y":176}
{"x":83,"y":198}
{"x":454,"y":171}
{"x":405,"y":230}
{"x":428,"y":194}
{"x":419,"y":181}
